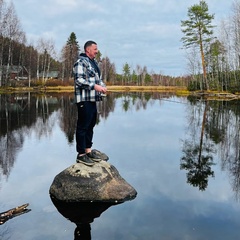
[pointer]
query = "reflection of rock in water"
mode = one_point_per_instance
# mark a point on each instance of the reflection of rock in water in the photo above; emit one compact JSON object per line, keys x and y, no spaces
{"x":83,"y":232}
{"x":82,"y":214}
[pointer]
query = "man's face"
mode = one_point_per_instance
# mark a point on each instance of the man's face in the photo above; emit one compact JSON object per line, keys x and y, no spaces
{"x":92,"y":51}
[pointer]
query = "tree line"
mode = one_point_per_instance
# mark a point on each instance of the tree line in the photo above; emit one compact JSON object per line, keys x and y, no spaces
{"x":212,"y":62}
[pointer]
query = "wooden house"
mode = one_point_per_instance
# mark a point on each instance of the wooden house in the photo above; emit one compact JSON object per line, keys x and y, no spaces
{"x":14,"y":72}
{"x":49,"y":75}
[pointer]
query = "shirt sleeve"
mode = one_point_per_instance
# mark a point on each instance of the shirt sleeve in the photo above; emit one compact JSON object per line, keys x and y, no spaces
{"x":102,"y":83}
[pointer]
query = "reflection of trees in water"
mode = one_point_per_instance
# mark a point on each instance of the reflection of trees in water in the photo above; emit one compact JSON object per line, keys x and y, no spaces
{"x":68,"y":116}
{"x":140,"y":100}
{"x":106,"y":106}
{"x":18,"y":114}
{"x":197,"y":158}
{"x":216,"y":125}
{"x":229,"y":147}
{"x":9,"y":145}
{"x":11,"y":140}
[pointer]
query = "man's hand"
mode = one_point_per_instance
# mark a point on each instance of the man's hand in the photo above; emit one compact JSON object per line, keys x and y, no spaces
{"x":99,"y":88}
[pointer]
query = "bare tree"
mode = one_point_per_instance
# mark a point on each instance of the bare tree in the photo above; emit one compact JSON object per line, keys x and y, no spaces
{"x":139,"y":74}
{"x":13,"y":32}
{"x":108,"y":69}
{"x":236,"y":32}
{"x":46,"y":50}
{"x":226,"y":63}
{"x":51,"y":53}
{"x":3,"y":23}
{"x":144,"y":73}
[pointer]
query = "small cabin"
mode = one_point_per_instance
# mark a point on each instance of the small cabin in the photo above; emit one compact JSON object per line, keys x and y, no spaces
{"x":49,"y":75}
{"x":14,"y":72}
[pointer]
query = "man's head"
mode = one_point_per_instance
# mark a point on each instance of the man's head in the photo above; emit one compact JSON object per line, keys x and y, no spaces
{"x":91,"y":49}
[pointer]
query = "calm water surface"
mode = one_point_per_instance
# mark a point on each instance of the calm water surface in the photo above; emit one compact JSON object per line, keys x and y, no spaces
{"x":180,"y":154}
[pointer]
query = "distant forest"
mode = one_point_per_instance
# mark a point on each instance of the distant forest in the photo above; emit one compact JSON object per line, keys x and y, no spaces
{"x":212,"y":60}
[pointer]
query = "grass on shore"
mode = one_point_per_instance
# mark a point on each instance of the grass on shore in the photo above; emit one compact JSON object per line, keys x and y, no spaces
{"x":110,"y":89}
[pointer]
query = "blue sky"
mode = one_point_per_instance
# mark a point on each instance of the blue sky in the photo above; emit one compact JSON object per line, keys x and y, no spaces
{"x":143,"y":32}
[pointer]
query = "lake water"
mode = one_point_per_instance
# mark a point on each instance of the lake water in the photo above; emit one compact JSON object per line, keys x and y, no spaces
{"x":182,"y":155}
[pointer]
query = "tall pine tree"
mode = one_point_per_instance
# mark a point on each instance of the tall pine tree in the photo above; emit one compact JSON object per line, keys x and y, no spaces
{"x":198,"y":30}
{"x":70,"y":54}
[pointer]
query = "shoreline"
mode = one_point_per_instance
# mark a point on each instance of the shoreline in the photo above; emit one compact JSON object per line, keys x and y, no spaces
{"x":181,"y":91}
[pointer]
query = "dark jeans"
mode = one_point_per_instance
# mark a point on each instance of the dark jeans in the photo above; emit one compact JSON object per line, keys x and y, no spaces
{"x":87,"y":116}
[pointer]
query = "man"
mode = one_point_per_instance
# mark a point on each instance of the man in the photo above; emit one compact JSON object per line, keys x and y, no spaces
{"x":88,"y":89}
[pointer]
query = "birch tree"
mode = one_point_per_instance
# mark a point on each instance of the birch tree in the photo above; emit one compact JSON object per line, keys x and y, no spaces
{"x":108,"y":69}
{"x":236,"y":32}
{"x":2,"y":35}
{"x":13,"y":31}
{"x":46,"y":52}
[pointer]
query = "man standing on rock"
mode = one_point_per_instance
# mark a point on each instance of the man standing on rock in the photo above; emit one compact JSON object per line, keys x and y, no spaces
{"x":88,"y":90}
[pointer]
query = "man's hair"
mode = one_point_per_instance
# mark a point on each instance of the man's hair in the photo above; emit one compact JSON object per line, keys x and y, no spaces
{"x":88,"y":44}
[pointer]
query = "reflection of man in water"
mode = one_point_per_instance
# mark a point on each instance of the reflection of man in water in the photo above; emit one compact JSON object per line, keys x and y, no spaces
{"x":83,"y":232}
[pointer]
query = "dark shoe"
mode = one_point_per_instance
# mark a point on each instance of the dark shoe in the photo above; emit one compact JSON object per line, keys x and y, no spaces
{"x":101,"y":155}
{"x":94,"y":157}
{"x":85,"y":160}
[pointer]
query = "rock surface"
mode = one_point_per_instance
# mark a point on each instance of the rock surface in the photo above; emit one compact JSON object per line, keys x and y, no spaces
{"x":101,"y":182}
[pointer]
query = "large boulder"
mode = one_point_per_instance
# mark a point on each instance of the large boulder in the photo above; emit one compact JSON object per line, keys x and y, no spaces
{"x":99,"y":183}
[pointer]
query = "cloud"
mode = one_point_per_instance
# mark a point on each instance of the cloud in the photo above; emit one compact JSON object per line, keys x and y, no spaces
{"x":149,"y":2}
{"x":163,"y":30}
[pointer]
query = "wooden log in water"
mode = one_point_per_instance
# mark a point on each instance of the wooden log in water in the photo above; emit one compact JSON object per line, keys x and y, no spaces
{"x":13,"y":212}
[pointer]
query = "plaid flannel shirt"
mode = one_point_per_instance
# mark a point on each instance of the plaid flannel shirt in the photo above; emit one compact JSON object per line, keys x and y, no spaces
{"x":85,"y":77}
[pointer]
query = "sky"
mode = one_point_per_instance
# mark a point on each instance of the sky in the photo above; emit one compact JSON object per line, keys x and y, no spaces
{"x":137,"y":32}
